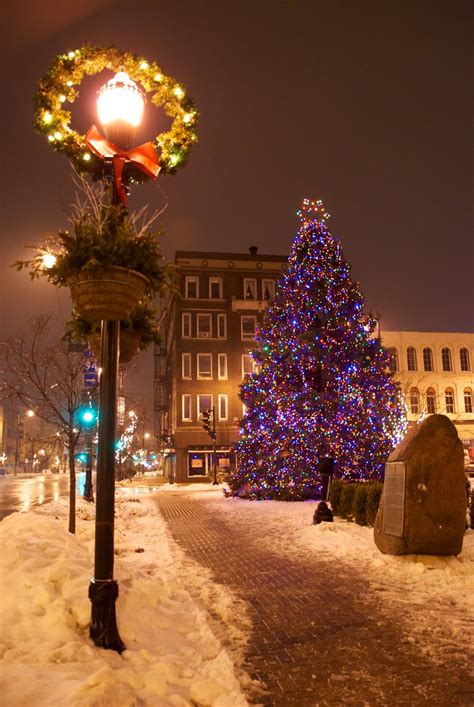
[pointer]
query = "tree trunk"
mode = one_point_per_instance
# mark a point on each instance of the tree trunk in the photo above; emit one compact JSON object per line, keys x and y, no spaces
{"x":72,"y":490}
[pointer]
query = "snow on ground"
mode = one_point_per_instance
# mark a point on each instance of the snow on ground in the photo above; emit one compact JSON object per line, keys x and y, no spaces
{"x":173,"y":655}
{"x":432,"y":596}
{"x":177,"y":654}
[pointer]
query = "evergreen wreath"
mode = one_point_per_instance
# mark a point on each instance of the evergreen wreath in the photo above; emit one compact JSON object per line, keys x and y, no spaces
{"x":61,"y":85}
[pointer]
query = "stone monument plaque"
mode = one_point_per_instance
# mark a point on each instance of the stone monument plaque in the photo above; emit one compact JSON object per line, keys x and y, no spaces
{"x":394,"y":498}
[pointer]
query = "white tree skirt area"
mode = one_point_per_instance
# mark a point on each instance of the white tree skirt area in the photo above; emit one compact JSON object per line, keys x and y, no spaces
{"x":177,"y":654}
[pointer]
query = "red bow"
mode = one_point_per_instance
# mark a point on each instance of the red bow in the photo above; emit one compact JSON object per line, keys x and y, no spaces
{"x":143,"y":157}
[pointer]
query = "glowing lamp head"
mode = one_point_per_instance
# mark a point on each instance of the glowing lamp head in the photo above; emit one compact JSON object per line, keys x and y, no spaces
{"x":88,"y":416}
{"x":48,"y":260}
{"x":120,"y":107}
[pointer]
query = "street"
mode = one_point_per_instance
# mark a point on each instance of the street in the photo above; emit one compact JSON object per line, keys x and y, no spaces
{"x":19,"y":493}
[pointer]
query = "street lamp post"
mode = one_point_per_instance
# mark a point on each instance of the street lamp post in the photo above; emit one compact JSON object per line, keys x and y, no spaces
{"x":120,"y":108}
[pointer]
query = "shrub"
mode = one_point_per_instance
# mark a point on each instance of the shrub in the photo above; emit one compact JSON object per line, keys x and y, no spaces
{"x":359,"y":504}
{"x":374,"y":494}
{"x":347,"y":500}
{"x":335,"y":492}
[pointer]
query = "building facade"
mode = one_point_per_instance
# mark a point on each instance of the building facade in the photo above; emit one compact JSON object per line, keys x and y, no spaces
{"x":435,"y":371}
{"x":210,"y":332}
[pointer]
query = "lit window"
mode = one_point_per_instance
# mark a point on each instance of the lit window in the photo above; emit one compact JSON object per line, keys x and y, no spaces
{"x":411,"y":359}
{"x":467,"y":400}
{"x":464,"y":359}
{"x":204,"y":402}
{"x":250,"y":288}
{"x":204,"y":326}
{"x":221,"y":326}
{"x":446,"y":359}
{"x":248,"y":326}
{"x":204,"y":365}
{"x":222,"y":366}
{"x":414,"y":401}
{"x":268,"y":289}
{"x":393,"y":362}
{"x":248,"y":365}
{"x":215,"y":288}
{"x":186,"y":325}
{"x":186,"y":365}
{"x":186,"y":407}
{"x":222,"y":406}
{"x":430,"y":401}
{"x":427,"y":359}
{"x":191,"y":287}
{"x":449,"y":400}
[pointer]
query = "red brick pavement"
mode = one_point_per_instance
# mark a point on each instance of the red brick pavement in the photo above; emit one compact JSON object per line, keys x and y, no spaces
{"x":316,"y":640}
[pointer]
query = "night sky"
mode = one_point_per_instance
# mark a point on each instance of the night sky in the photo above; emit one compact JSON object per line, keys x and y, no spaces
{"x":365,"y":105}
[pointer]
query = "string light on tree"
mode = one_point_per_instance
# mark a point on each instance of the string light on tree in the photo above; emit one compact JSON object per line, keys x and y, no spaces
{"x":322,"y":386}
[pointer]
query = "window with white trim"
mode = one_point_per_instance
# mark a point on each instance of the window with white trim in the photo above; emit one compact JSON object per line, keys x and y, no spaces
{"x":268,"y":289}
{"x":414,"y":401}
{"x":222,"y":406}
{"x":431,"y":401}
{"x":464,"y":359}
{"x":449,"y":400}
{"x":467,"y":400}
{"x":215,"y":288}
{"x":186,"y":407}
{"x":204,"y":402}
{"x":446,"y":359}
{"x":186,"y":366}
{"x":221,"y":326}
{"x":248,"y":365}
{"x":411,"y":359}
{"x":186,"y":325}
{"x":250,"y":288}
{"x":222,"y":366}
{"x":204,"y":366}
{"x":248,"y":324}
{"x":191,"y":287}
{"x":427,"y":359}
{"x":204,"y":326}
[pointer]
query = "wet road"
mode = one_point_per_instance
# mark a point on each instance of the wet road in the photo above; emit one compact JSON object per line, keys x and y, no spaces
{"x":22,"y":494}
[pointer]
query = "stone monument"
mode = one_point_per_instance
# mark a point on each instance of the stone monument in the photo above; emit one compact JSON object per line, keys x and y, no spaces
{"x":423,"y":505}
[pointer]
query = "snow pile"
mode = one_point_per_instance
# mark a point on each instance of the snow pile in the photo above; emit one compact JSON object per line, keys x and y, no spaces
{"x":173,"y":656}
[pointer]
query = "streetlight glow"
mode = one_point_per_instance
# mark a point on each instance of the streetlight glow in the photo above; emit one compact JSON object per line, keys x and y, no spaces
{"x":48,"y":260}
{"x":120,"y":99}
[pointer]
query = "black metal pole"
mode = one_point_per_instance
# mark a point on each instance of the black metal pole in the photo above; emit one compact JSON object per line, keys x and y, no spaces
{"x":88,"y":487}
{"x":103,"y":589}
{"x":214,"y":452}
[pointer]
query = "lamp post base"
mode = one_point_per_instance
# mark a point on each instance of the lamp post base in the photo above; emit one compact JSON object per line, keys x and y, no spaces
{"x":103,"y":629}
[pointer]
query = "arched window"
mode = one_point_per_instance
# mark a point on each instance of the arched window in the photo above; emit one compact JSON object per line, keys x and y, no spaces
{"x":427,"y":359}
{"x":446,"y":359}
{"x":467,"y":400}
{"x":464,"y":359}
{"x":411,"y":358}
{"x":449,"y":399}
{"x":431,"y":401}
{"x":414,"y":401}
{"x":393,"y":362}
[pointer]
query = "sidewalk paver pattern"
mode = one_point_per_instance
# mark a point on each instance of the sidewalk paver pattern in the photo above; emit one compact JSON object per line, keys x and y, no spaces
{"x":317,"y":639}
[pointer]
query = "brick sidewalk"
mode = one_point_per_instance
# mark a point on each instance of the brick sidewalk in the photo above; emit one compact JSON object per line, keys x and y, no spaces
{"x":316,"y":640}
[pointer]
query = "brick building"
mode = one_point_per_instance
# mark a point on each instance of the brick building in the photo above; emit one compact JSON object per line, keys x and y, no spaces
{"x":201,"y":365}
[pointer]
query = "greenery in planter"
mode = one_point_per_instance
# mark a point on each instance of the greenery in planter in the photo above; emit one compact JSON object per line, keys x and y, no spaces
{"x":144,"y":321}
{"x":358,"y":502}
{"x":347,"y":500}
{"x":103,"y":235}
{"x":335,"y":491}
{"x":374,"y":494}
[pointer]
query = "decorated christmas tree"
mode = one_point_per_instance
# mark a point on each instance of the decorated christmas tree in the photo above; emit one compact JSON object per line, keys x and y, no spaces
{"x":321,"y":389}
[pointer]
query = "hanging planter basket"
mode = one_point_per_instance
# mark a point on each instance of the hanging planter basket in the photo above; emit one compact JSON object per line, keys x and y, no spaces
{"x":109,"y":294}
{"x":129,"y":345}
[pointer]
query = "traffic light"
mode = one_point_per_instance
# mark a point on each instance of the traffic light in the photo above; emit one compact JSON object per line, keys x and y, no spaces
{"x":87,"y":416}
{"x":209,"y":424}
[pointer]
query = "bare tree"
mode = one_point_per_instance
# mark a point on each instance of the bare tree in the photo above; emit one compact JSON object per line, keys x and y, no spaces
{"x":47,"y":378}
